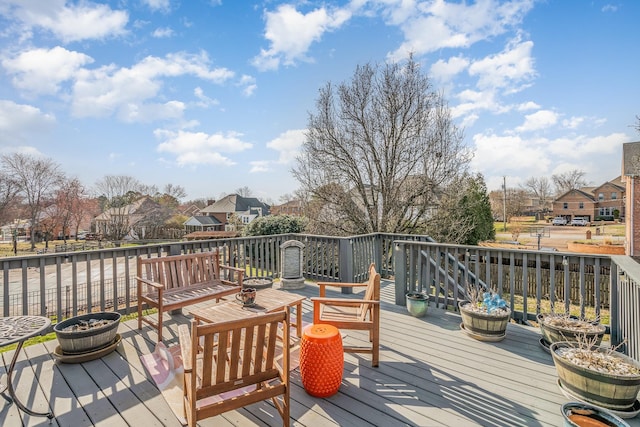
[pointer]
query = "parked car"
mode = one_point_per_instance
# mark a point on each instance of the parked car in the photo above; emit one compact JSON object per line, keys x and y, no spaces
{"x":559,"y":220}
{"x":579,"y":221}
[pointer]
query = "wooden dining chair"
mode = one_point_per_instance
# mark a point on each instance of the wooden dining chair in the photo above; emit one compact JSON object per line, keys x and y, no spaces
{"x":353,"y":313}
{"x":230,"y":365}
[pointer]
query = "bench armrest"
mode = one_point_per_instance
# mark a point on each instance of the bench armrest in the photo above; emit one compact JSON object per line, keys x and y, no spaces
{"x":148,"y":282}
{"x":185,"y":346}
{"x":346,"y":302}
{"x":233,"y":270}
{"x":323,"y":286}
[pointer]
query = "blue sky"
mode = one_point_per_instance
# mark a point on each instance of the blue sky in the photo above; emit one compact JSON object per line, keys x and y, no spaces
{"x":214,"y":95}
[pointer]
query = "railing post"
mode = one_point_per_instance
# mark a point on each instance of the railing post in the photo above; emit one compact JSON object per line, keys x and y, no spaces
{"x":345,"y":256}
{"x":614,"y":325}
{"x":400,"y":267}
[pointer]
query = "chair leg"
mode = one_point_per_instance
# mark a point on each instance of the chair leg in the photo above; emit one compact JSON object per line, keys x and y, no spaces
{"x":375,"y":356}
{"x":139,"y":313}
{"x":159,"y":325}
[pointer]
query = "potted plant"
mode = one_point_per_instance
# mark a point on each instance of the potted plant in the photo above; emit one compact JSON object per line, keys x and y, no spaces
{"x":484,"y":318}
{"x":87,"y":332}
{"x":557,"y":327}
{"x":597,"y":375}
{"x":258,"y":282}
{"x":578,"y":414}
{"x":417,"y":303}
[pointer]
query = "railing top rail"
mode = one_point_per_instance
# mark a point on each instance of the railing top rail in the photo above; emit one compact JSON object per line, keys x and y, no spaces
{"x":518,"y":251}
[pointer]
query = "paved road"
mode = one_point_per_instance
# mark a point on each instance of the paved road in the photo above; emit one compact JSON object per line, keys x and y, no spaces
{"x":558,"y":236}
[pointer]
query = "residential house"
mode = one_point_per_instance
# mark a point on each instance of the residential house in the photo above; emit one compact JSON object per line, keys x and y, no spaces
{"x":292,"y":207}
{"x":592,"y":203}
{"x":202,"y":223}
{"x":127,"y":221}
{"x":244,"y":209}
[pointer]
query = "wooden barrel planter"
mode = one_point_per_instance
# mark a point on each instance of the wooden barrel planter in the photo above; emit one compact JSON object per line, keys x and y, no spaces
{"x":482,"y":325}
{"x":565,"y":328}
{"x":258,"y":282}
{"x":604,"y":389}
{"x":88,"y":332}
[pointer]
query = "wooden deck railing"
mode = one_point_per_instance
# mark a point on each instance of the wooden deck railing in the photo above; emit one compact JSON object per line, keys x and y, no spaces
{"x":59,"y":285}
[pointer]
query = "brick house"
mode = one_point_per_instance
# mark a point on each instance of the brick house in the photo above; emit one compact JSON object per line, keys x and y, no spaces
{"x":245,"y":209}
{"x":292,"y":207}
{"x":631,"y":179}
{"x":592,"y":203}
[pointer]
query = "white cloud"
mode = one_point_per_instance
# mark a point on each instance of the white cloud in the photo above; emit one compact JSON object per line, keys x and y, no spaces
{"x":19,"y":121}
{"x":108,"y":90}
{"x":139,"y":113}
{"x":43,"y":70}
{"x":508,"y":69}
{"x":160,"y":5}
{"x":288,"y":144}
{"x":430,"y":26}
{"x":199,"y":148}
{"x":162,"y":33}
{"x":205,"y":101}
{"x":530,"y":105}
{"x":291,"y":33}
{"x":509,"y":154}
{"x":259,"y":166}
{"x":248,"y":83}
{"x":539,"y":120}
{"x":70,"y":22}
{"x":514,"y":156}
{"x":445,"y":70}
{"x":573,"y":122}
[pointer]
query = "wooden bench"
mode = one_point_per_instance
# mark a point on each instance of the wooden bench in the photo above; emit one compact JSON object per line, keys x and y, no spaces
{"x":173,"y":282}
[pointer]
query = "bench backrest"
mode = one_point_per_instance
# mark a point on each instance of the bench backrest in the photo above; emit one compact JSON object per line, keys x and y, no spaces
{"x":372,"y":292}
{"x":175,"y":271}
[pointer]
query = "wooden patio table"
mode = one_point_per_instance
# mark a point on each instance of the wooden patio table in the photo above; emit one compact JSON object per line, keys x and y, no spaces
{"x":267,"y":301}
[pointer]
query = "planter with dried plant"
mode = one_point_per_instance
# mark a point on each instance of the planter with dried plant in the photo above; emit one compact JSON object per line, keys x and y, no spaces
{"x":597,"y":375}
{"x":485,"y":315}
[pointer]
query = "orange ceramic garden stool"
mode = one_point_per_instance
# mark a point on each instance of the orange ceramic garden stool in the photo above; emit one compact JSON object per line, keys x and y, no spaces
{"x":321,"y":360}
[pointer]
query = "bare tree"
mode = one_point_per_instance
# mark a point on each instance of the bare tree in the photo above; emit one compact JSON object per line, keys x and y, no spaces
{"x":636,"y":126}
{"x":541,"y":189}
{"x":244,"y":191}
{"x":37,"y":179}
{"x":571,"y":180}
{"x":8,"y":196}
{"x":378,"y":149}
{"x":69,"y":207}
{"x":176,"y":191}
{"x":118,"y":192}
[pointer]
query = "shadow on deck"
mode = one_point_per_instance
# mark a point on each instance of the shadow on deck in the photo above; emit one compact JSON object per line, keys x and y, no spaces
{"x":430,"y":374}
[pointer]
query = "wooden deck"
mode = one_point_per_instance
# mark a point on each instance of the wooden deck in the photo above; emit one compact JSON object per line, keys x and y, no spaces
{"x":430,"y":374}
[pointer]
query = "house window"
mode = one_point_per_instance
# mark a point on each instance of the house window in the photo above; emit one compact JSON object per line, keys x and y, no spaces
{"x":581,"y":205}
{"x":601,"y":196}
{"x":565,"y":205}
{"x":614,"y":196}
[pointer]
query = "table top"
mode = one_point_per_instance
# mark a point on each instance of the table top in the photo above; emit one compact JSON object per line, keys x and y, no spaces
{"x":14,"y":329}
{"x":267,"y":301}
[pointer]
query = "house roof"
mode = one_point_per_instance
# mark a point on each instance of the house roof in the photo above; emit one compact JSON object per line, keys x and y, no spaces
{"x":235,"y":203}
{"x":205,"y":235}
{"x":586,"y":195}
{"x":202,"y":220}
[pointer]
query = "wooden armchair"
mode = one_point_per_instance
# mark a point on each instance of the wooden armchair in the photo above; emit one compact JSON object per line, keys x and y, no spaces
{"x":352,"y":313}
{"x":240,"y":358}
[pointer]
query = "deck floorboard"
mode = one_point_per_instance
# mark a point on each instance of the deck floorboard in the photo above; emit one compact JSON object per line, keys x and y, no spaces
{"x":431,"y":374}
